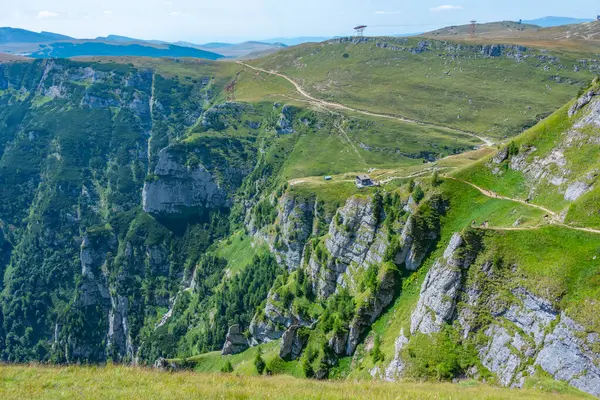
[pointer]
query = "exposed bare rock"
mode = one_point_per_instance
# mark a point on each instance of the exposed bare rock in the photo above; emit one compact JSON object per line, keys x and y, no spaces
{"x":292,"y":343}
{"x":576,"y":190}
{"x":235,"y":341}
{"x":178,"y":188}
{"x":440,"y":290}
{"x":119,"y":337}
{"x":338,"y":342}
{"x":295,"y":222}
{"x":94,"y":286}
{"x":521,"y":329}
{"x":271,"y":323}
{"x":285,"y":125}
{"x":372,"y":308}
{"x":500,"y":156}
{"x":394,"y":371}
{"x":354,"y":239}
{"x":567,"y":356}
{"x":582,"y":102}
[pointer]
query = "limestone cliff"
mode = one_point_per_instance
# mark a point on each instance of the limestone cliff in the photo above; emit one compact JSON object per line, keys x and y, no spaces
{"x":179,"y":189}
{"x":514,"y":331}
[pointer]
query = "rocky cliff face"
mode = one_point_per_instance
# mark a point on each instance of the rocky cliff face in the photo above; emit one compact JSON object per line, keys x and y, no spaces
{"x":354,"y":241}
{"x":555,"y":168}
{"x":356,"y":244}
{"x":91,"y":133}
{"x":177,"y":189}
{"x":294,"y":225}
{"x":522,"y":331}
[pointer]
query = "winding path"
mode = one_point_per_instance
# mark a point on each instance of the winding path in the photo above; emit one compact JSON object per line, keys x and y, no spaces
{"x":553,"y":221}
{"x":339,"y":106}
{"x":327,"y":104}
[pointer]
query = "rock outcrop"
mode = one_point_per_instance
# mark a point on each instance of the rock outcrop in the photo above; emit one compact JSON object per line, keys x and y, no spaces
{"x":292,"y":343}
{"x":354,"y":242}
{"x":235,"y":341}
{"x":177,"y":189}
{"x":94,"y":286}
{"x":285,"y":125}
{"x":119,"y":335}
{"x":567,"y":355}
{"x":552,"y":169}
{"x":440,"y":291}
{"x":271,"y":323}
{"x":372,"y":308}
{"x":295,"y":218}
{"x":521,"y":330}
{"x":396,"y":367}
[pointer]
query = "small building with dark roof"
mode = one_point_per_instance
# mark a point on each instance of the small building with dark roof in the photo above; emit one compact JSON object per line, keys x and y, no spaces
{"x":364,"y":181}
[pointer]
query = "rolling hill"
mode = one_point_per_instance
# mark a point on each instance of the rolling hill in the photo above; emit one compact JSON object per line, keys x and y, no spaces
{"x":547,"y":22}
{"x":576,"y":37}
{"x":15,"y":35}
{"x":89,"y":49}
{"x":495,"y":90}
{"x":45,"y":44}
{"x":491,"y":30}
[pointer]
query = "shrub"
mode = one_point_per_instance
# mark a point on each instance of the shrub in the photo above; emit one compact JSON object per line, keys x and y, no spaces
{"x":440,"y":356}
{"x":435,"y":179}
{"x":418,"y":194}
{"x":259,"y":363}
{"x":227,"y":367}
{"x":376,"y":352}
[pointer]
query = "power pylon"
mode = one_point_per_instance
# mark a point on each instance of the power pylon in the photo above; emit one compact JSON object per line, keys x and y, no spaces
{"x":360,"y":30}
{"x":473,"y":28}
{"x":230,"y":88}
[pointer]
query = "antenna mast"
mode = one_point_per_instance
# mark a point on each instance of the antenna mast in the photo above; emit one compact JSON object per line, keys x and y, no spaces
{"x":230,"y":88}
{"x":360,"y":29}
{"x":473,"y":28}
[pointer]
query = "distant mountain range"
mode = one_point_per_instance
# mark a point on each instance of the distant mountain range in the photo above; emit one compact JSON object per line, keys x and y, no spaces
{"x":46,"y":45}
{"x":15,"y":35}
{"x":294,"y":41}
{"x":15,"y":41}
{"x":548,"y":22}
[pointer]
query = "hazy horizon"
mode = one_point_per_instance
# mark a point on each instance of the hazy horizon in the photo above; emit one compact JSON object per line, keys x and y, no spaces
{"x":238,"y":21}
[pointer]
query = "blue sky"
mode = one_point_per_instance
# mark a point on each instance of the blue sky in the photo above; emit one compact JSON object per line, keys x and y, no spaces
{"x":238,"y":20}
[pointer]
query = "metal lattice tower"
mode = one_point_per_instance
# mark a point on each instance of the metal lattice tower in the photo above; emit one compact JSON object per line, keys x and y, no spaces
{"x":230,"y":88}
{"x":360,"y":30}
{"x":473,"y":28}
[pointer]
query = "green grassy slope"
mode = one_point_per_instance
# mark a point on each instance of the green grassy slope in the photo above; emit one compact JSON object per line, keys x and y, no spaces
{"x":37,"y":382}
{"x":575,"y":147}
{"x":435,"y":81}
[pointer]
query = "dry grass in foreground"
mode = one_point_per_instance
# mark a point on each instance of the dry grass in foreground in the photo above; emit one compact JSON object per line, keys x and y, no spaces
{"x":115,"y":382}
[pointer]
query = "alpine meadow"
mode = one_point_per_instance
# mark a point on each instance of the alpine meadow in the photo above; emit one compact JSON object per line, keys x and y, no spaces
{"x":360,"y":217}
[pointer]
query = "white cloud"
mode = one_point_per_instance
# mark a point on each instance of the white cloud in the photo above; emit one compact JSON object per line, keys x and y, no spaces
{"x":175,"y":13}
{"x":387,"y":12}
{"x":46,"y":14}
{"x":168,"y":3}
{"x":446,"y":7}
{"x":108,"y":12}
